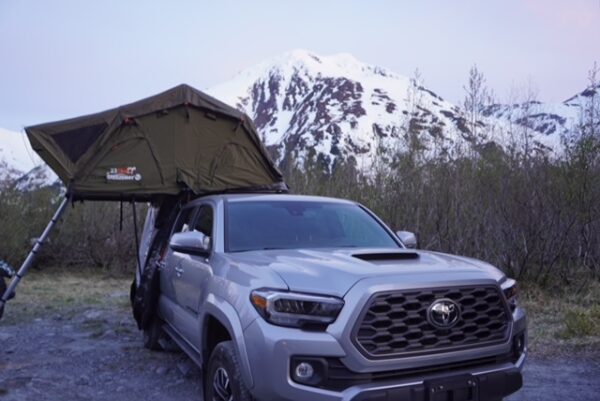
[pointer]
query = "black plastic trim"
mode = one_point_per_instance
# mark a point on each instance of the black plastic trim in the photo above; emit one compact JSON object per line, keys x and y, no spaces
{"x":366,"y":307}
{"x":339,"y":377}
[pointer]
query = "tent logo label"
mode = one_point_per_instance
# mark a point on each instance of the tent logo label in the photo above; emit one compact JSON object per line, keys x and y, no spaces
{"x":123,"y":174}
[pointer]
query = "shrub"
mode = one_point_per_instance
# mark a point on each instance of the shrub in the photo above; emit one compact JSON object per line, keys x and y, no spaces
{"x":581,"y":322}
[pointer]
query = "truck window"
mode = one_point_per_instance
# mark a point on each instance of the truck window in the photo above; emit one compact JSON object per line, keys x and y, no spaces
{"x":256,"y":225}
{"x":204,"y":222}
{"x":184,"y":220}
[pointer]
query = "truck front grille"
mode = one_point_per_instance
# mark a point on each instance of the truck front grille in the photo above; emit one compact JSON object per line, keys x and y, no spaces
{"x":395,"y":323}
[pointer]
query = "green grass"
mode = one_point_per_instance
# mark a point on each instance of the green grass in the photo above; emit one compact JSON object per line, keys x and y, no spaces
{"x":562,"y":320}
{"x":57,"y":291}
{"x":581,"y":322}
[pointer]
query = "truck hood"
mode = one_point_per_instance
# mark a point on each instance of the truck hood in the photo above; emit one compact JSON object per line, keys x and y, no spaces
{"x":335,"y":271}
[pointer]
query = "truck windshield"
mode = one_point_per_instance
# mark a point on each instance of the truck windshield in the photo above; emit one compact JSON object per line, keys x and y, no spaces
{"x":260,"y":225}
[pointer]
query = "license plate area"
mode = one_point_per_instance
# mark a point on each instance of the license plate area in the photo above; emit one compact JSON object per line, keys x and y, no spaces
{"x":456,"y":388}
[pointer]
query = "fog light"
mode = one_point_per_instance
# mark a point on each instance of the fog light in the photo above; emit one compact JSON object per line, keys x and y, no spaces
{"x":519,"y":344}
{"x":308,"y":371}
{"x":304,"y":371}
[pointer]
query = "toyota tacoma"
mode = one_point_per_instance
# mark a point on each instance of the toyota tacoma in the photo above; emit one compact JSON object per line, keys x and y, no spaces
{"x":288,"y":297}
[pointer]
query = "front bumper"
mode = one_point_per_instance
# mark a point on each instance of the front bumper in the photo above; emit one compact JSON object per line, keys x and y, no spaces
{"x":487,"y":385}
{"x":271,"y":350}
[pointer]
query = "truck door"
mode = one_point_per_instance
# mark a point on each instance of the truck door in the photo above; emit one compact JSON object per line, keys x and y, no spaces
{"x":170,"y":270}
{"x":192,"y":276}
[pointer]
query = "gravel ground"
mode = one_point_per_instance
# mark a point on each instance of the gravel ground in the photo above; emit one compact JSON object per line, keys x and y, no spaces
{"x":91,"y":354}
{"x":94,"y":352}
{"x":575,"y":379}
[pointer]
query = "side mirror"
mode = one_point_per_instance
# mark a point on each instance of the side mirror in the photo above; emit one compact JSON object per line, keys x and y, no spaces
{"x":192,"y":242}
{"x":408,"y":239}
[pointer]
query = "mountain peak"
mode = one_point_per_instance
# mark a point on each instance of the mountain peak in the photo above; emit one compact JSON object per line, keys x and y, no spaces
{"x":332,"y":105}
{"x":300,"y":55}
{"x":308,"y":58}
{"x":582,"y":97}
{"x":337,"y":106}
{"x":308,"y":63}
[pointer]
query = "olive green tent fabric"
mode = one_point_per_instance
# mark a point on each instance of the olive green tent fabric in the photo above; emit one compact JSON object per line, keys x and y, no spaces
{"x":179,"y":139}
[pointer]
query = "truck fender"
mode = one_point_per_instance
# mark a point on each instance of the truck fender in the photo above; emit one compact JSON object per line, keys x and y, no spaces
{"x":224,"y":312}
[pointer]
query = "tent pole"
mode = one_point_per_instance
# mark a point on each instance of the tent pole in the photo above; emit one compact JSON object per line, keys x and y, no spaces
{"x":32,"y":254}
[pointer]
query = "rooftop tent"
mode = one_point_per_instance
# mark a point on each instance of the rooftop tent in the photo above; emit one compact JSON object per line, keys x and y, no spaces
{"x":178,"y":139}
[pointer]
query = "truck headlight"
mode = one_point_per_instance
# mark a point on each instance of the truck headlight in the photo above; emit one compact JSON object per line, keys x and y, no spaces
{"x":292,"y":309}
{"x":510,"y":290}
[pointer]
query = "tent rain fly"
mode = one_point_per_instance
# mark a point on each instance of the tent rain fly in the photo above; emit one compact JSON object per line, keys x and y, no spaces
{"x":178,"y":139}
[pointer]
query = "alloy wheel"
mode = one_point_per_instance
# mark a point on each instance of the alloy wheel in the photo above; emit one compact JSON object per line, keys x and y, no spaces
{"x":222,"y":386}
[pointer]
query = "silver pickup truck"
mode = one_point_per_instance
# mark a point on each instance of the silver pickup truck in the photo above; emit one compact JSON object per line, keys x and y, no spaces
{"x":286,"y":297}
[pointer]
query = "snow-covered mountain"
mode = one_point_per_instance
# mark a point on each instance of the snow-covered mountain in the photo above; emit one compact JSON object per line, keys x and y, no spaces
{"x":545,"y":118}
{"x":16,"y":151}
{"x":336,"y":106}
{"x":25,"y":166}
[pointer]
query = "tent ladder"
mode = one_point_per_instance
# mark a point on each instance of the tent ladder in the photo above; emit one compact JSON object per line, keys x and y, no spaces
{"x":32,"y":254}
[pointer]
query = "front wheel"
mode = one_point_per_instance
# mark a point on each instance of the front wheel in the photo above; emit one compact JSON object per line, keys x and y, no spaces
{"x":223,"y":380}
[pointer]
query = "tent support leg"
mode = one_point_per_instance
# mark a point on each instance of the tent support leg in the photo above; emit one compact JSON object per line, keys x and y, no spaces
{"x":32,"y":254}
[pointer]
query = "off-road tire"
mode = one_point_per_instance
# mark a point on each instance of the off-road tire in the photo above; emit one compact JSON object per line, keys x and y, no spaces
{"x":132,"y":290}
{"x":153,"y":334}
{"x":145,"y":296}
{"x":225,"y":358}
{"x":2,"y":286}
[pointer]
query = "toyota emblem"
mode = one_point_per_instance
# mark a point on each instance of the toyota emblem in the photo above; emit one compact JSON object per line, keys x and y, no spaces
{"x":443,"y":313}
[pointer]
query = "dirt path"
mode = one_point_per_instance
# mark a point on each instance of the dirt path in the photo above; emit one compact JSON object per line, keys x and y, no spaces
{"x":93,"y":351}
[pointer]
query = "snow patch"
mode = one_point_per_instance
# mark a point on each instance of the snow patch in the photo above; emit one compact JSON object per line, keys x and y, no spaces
{"x":16,"y":152}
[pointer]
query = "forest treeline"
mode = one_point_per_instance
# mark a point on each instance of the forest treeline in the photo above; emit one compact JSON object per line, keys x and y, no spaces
{"x":532,"y":213}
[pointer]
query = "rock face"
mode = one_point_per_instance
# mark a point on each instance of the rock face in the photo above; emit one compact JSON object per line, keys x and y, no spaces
{"x":338,"y":107}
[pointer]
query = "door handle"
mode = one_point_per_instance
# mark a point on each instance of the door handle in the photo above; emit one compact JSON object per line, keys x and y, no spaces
{"x":179,"y":271}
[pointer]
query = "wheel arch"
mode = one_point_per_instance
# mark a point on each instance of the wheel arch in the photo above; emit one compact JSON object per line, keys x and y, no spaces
{"x":221,"y":316}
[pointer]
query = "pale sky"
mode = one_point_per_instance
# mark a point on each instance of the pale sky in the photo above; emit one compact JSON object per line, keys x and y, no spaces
{"x":62,"y":58}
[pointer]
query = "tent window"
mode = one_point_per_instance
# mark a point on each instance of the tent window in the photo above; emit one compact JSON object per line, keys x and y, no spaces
{"x":77,"y":141}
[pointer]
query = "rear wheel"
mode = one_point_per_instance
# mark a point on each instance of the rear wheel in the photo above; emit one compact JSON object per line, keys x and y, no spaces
{"x":2,"y":286}
{"x":153,"y":334}
{"x":223,"y":380}
{"x":132,"y":290}
{"x":145,"y":296}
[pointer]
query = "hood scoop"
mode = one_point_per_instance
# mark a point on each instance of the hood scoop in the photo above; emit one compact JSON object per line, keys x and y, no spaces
{"x":386,"y":256}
